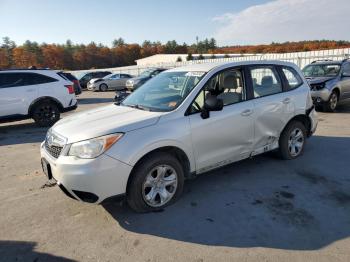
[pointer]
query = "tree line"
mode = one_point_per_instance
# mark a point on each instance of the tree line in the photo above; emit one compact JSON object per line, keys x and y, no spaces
{"x":72,"y":56}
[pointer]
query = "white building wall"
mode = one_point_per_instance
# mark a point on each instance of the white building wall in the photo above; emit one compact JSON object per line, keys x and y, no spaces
{"x":169,"y":61}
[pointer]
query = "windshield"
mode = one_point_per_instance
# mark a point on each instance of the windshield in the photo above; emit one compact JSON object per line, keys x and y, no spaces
{"x":146,"y":73}
{"x":164,"y":92}
{"x":79,"y":75}
{"x":109,"y":76}
{"x":326,"y":70}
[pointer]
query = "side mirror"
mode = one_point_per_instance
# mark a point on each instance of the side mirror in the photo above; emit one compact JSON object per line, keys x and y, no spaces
{"x":212,"y":103}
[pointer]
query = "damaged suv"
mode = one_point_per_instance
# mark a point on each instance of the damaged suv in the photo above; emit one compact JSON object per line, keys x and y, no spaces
{"x":329,"y":81}
{"x":179,"y":124}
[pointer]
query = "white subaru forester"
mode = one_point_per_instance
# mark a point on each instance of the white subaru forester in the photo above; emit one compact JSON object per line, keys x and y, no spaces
{"x":181,"y":123}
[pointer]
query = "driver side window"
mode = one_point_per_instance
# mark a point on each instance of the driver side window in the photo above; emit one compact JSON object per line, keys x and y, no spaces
{"x":227,"y":85}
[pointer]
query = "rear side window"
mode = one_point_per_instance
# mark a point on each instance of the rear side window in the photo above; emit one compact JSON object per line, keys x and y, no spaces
{"x":265,"y":81}
{"x":293,"y":78}
{"x":36,"y":79}
{"x":23,"y":79}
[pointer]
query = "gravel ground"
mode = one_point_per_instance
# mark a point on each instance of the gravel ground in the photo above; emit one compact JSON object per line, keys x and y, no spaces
{"x":261,"y":209}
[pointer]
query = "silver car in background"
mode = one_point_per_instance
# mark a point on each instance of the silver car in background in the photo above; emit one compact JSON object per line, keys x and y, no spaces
{"x":109,"y":82}
{"x":330,"y":83}
{"x":179,"y":124}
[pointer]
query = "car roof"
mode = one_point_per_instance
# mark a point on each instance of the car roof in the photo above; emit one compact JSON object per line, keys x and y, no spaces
{"x":206,"y":67}
{"x":326,"y":62}
{"x":26,"y":70}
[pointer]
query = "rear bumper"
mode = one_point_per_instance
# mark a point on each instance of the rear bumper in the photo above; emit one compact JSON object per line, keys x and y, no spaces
{"x":88,"y":180}
{"x":311,"y":112}
{"x":71,"y":108}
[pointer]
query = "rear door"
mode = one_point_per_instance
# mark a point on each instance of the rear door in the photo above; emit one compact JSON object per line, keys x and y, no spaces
{"x":273,"y":108}
{"x":16,"y":93}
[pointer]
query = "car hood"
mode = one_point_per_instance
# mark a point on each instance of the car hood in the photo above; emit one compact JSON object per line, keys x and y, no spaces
{"x":95,"y":80}
{"x":318,"y":80}
{"x":102,"y":121}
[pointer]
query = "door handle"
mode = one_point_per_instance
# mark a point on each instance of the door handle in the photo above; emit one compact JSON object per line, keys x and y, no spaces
{"x":30,"y":90}
{"x":247,"y":112}
{"x":286,"y":100}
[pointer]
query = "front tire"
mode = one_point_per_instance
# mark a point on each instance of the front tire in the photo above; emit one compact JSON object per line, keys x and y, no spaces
{"x":103,"y":87}
{"x":45,"y":113}
{"x":332,"y":102}
{"x":155,"y":183}
{"x":292,"y":140}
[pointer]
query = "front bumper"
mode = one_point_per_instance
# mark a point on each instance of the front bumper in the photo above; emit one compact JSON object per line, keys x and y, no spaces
{"x":92,"y":87}
{"x":102,"y":177}
{"x":320,"y":96}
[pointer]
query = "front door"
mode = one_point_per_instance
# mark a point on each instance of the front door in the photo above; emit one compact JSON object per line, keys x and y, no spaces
{"x":227,"y":135}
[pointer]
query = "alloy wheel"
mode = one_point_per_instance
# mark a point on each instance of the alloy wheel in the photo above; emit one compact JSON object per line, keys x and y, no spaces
{"x":296,"y":142}
{"x":160,"y":185}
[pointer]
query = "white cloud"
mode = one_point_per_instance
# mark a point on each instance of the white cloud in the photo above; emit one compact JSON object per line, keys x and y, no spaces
{"x":285,"y":20}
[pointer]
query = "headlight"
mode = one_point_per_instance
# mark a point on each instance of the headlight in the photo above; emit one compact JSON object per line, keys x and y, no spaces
{"x":94,"y":147}
{"x":319,"y":86}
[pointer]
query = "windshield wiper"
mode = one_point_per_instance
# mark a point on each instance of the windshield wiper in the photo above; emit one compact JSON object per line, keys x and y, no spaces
{"x":138,"y":107}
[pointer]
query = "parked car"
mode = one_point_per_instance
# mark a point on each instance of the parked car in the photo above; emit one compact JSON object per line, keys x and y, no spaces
{"x":85,"y":77}
{"x":38,"y":94}
{"x":329,"y":82}
{"x":159,"y":135}
{"x":134,"y":83}
{"x":73,"y":79}
{"x":109,"y":82}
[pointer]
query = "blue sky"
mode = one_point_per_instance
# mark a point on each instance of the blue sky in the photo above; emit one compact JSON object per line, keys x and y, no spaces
{"x":230,"y":22}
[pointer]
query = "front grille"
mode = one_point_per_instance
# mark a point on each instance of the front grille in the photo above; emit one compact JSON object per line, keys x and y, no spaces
{"x":54,"y":151}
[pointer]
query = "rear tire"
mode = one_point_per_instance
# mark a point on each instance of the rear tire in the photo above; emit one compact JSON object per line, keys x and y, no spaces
{"x":145,"y":192}
{"x":45,"y":113}
{"x":103,"y":87}
{"x":292,"y":140}
{"x":332,"y":102}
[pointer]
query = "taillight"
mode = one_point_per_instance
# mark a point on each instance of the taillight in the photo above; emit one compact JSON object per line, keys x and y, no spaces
{"x":70,"y":89}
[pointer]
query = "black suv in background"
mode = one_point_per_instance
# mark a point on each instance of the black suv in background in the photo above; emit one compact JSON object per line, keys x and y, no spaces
{"x":85,"y":77}
{"x":72,"y":78}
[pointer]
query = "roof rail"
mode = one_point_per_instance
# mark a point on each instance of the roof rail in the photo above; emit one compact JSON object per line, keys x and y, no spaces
{"x":322,"y":60}
{"x":27,"y":69}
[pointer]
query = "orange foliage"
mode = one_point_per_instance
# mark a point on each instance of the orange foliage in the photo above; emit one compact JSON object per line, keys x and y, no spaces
{"x":23,"y":58}
{"x":74,"y":57}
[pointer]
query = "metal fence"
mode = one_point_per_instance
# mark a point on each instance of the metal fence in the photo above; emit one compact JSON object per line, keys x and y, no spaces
{"x":299,"y":58}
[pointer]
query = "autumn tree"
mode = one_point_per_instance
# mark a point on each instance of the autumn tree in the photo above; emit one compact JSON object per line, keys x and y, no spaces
{"x":23,"y":58}
{"x":4,"y":59}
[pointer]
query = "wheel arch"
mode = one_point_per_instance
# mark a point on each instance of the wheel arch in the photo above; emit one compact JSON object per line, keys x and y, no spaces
{"x":304,"y":119}
{"x":337,"y":90}
{"x":44,"y":99}
{"x":179,"y":153}
{"x":99,"y":86}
